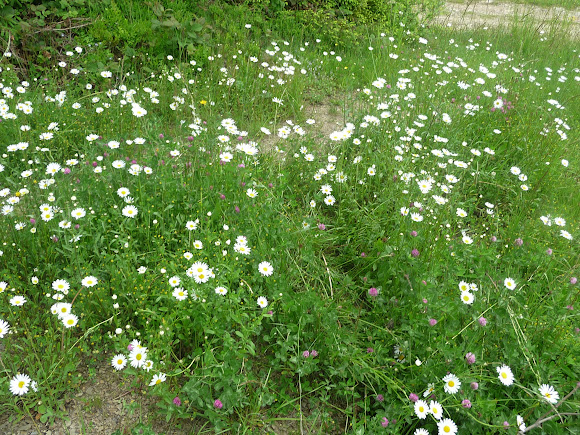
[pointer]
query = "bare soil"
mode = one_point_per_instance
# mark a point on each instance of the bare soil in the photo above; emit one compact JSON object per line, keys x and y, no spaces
{"x":106,"y":402}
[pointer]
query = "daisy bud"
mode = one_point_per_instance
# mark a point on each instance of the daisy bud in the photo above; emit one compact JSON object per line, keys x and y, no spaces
{"x":218,"y":404}
{"x":573,"y":280}
{"x":474,"y":386}
{"x":413,"y":397}
{"x":432,"y":322}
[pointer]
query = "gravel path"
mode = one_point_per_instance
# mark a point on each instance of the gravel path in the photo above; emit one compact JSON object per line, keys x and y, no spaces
{"x":490,"y":13}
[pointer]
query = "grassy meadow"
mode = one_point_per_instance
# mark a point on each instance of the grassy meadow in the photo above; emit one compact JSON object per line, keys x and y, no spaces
{"x":405,"y":262}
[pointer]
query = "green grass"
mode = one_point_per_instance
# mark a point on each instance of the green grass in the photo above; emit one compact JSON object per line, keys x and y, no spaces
{"x":362,"y":304}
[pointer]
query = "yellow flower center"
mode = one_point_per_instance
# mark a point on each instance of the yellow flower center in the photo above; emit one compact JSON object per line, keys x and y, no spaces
{"x":21,"y":384}
{"x":119,"y":361}
{"x":504,"y":375}
{"x":451,"y":383}
{"x":158,"y":381}
{"x":421,"y":409}
{"x":447,"y":429}
{"x":138,"y":357}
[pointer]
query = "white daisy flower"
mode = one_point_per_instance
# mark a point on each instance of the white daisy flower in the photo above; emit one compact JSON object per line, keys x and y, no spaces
{"x":262,"y":302}
{"x":19,"y":384}
{"x":421,"y":409}
{"x":505,"y":375}
{"x":157,"y":379}
{"x":452,"y":384}
{"x":180,"y":294}
{"x":265,"y":268}
{"x":549,"y":393}
{"x":436,"y":410}
{"x":70,"y":320}
{"x":119,"y":361}
{"x":467,"y":298}
{"x":130,"y":211}
{"x":138,"y":356}
{"x":89,"y":281}
{"x":222,"y":291}
{"x":509,"y":283}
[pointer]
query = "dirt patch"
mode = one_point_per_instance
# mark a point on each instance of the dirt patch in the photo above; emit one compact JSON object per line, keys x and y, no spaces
{"x":472,"y":15}
{"x":328,"y":117}
{"x":105,"y":403}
